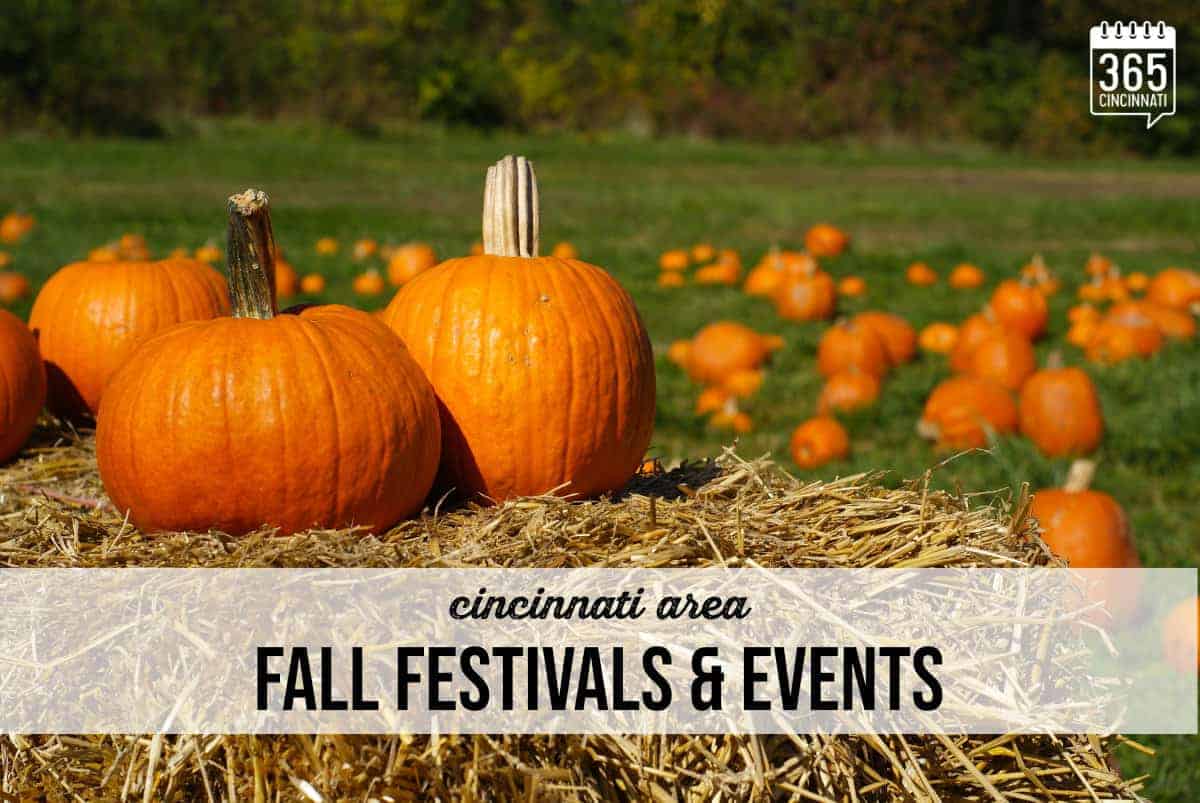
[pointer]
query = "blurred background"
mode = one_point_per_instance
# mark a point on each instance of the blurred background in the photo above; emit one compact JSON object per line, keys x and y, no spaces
{"x":1007,"y":73}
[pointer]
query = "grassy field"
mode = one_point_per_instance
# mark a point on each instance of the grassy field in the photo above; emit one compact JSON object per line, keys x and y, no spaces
{"x":623,"y":202}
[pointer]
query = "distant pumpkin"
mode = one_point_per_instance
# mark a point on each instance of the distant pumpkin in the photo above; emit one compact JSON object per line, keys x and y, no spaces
{"x":208,"y":253}
{"x":703,"y":252}
{"x":825,"y":240}
{"x":727,"y":273}
{"x":13,"y":287}
{"x":1137,"y":282}
{"x":369,"y":283}
{"x":711,"y":399}
{"x":1174,"y":287}
{"x":287,"y":281}
{"x":962,"y":411}
{"x":966,"y":276}
{"x":409,"y":261}
{"x":920,"y":275}
{"x":14,"y":226}
{"x":974,"y":330}
{"x":1059,"y":410}
{"x":938,"y":337}
{"x":1006,"y":357}
{"x":818,"y":441}
{"x":897,"y":334}
{"x":675,"y":260}
{"x":1117,"y":340}
{"x":1020,"y":307}
{"x":744,"y":383}
{"x":806,"y":298}
{"x":851,"y":346}
{"x":312,"y":284}
{"x":1180,"y":636}
{"x":365,"y":249}
{"x":852,"y":287}
{"x":848,"y":391}
{"x":1173,"y":323}
{"x":564,"y":250}
{"x":679,"y":352}
{"x":722,"y":348}
{"x":326,"y":246}
{"x":670,"y":279}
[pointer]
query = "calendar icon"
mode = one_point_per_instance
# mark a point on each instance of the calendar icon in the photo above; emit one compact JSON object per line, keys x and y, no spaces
{"x":1133,"y":70}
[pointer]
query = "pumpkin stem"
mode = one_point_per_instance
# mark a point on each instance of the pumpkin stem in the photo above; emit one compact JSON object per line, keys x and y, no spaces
{"x":510,"y":209}
{"x":1079,"y":476}
{"x":251,"y":256}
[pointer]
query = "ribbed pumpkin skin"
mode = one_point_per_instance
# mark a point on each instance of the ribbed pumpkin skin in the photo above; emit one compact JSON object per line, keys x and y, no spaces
{"x":320,"y":419}
{"x":543,"y":369}
{"x":90,"y":316}
{"x":22,"y":384}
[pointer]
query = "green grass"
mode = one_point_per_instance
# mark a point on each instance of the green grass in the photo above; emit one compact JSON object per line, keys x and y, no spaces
{"x":622,"y":202}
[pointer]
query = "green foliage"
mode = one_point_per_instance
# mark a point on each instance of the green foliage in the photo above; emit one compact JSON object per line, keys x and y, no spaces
{"x":1011,"y":74}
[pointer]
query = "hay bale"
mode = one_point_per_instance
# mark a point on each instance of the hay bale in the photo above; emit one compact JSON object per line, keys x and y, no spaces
{"x":726,"y":512}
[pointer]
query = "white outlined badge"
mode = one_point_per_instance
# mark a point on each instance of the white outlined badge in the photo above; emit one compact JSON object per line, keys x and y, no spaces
{"x":1133,"y":70}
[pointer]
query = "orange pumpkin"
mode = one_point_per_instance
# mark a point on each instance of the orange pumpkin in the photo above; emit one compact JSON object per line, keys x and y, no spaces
{"x":208,"y":253}
{"x":409,"y":260}
{"x":89,"y":317}
{"x":724,"y":347}
{"x":287,"y":281}
{"x":898,"y":336}
{"x":1090,"y":531}
{"x":920,"y":274}
{"x":703,"y":252}
{"x":1059,"y":411}
{"x":671,"y":280}
{"x":744,"y":383}
{"x":849,"y":345}
{"x":825,"y":240}
{"x":679,"y":352}
{"x":550,"y":352}
{"x":848,"y":391}
{"x":806,"y":298}
{"x":966,"y":277}
{"x":104,"y":253}
{"x":1006,"y":358}
{"x":1137,"y":282}
{"x":1098,"y":265}
{"x":14,"y":226}
{"x":1173,"y":323}
{"x":312,"y":284}
{"x":1020,"y":307}
{"x":728,"y":273}
{"x":1174,"y":287}
{"x":365,"y":249}
{"x":731,"y":418}
{"x":712,"y":399}
{"x":1081,"y":333}
{"x":1180,"y":636}
{"x":1118,"y":340}
{"x":938,"y":337}
{"x":852,"y":287}
{"x":13,"y":287}
{"x":22,"y":384}
{"x":369,"y":283}
{"x":818,"y":441}
{"x":5,"y":259}
{"x":974,"y":330}
{"x":327,"y":246}
{"x":564,"y":250}
{"x":317,"y":419}
{"x":674,"y":260}
{"x":1083,"y":312}
{"x":963,"y":411}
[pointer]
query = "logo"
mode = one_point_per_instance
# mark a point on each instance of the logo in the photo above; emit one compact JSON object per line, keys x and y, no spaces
{"x":1133,"y":70}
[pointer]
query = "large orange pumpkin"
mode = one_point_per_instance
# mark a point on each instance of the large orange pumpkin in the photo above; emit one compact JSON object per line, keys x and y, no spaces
{"x":1060,"y":411}
{"x":1174,"y":287}
{"x":1020,"y":307}
{"x":314,"y":419}
{"x":825,"y":240}
{"x":90,"y":316}
{"x":543,"y":366}
{"x":409,"y":260}
{"x":22,"y":384}
{"x":963,"y":410}
{"x":848,"y":345}
{"x":1005,"y":357}
{"x":898,"y":336}
{"x":806,"y":297}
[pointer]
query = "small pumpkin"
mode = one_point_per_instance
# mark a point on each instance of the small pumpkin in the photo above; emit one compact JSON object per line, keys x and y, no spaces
{"x":1006,"y":358}
{"x":550,"y":352}
{"x":897,"y":334}
{"x":13,"y":287}
{"x":103,"y":253}
{"x":1173,"y":323}
{"x":1174,"y":287}
{"x":1180,"y":636}
{"x":962,"y":412}
{"x":1059,"y":410}
{"x":312,"y":284}
{"x":326,"y":246}
{"x":1083,"y":312}
{"x":744,"y":383}
{"x":727,"y":273}
{"x":369,"y":283}
{"x":670,"y":280}
{"x":966,"y":276}
{"x":806,"y":297}
{"x":679,"y":352}
{"x":703,"y":252}
{"x":287,"y":281}
{"x":674,"y":260}
{"x":818,"y":441}
{"x":1020,"y":307}
{"x":14,"y":226}
{"x":408,"y":261}
{"x":314,"y":419}
{"x":825,"y":240}
{"x":730,"y":417}
{"x":364,"y":249}
{"x":852,"y":287}
{"x":564,"y":250}
{"x":938,"y":337}
{"x":208,"y":253}
{"x":1098,"y":265}
{"x":724,"y":347}
{"x":852,"y":346}
{"x":1081,"y":333}
{"x":974,"y":330}
{"x":5,"y":259}
{"x":1137,"y":282}
{"x":22,"y":384}
{"x":712,"y":399}
{"x":90,"y":316}
{"x":920,"y":275}
{"x":848,"y":391}
{"x":1117,"y":340}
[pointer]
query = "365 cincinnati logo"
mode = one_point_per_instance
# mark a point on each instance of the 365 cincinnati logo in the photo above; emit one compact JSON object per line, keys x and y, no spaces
{"x":1133,"y":70}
